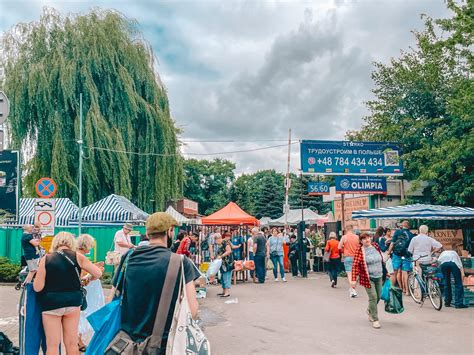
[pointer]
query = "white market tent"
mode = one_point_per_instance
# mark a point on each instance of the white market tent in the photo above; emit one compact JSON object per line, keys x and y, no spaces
{"x":416,"y":211}
{"x":178,"y":216}
{"x":112,"y":209}
{"x":265,"y":221}
{"x":294,"y":217}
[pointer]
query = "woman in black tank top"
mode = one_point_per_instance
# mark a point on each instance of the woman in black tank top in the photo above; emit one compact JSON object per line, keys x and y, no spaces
{"x":61,"y":297}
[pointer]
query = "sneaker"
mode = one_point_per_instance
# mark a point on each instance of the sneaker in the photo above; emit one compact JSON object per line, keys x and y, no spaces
{"x":352,"y":293}
{"x":376,"y":324}
{"x":333,"y":284}
{"x":283,"y":279}
{"x":276,"y":280}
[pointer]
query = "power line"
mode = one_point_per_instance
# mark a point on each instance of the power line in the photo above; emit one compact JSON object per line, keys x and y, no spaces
{"x":194,"y":154}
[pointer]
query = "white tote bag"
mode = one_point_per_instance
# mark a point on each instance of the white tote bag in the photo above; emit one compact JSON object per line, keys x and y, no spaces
{"x":185,"y":336}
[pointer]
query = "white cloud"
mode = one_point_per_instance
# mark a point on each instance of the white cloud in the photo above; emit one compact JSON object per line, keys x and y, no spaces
{"x":252,"y":69}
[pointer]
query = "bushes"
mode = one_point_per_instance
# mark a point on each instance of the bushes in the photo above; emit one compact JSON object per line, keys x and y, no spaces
{"x":8,"y":271}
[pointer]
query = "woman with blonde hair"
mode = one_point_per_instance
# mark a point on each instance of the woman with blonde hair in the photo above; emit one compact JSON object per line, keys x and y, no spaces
{"x":58,"y":280}
{"x":95,"y":293}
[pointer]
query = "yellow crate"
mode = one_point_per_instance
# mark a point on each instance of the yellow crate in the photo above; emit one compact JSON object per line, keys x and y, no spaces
{"x":204,"y":266}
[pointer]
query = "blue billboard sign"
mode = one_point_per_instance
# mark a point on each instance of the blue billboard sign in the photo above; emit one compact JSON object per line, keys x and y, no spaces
{"x":361,"y":185}
{"x":350,"y":158}
{"x":318,"y":188}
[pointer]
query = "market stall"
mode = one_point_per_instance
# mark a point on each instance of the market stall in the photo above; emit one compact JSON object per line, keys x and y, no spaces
{"x":445,"y":237}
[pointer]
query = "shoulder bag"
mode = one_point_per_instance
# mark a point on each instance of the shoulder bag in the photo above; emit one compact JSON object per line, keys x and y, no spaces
{"x":185,"y":336}
{"x":327,"y":255}
{"x":83,"y":290}
{"x":112,"y":257}
{"x":123,"y":343}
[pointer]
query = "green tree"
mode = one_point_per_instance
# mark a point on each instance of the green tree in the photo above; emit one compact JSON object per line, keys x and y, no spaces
{"x":268,"y":194}
{"x":299,"y":191}
{"x":208,"y":183}
{"x":103,"y":56}
{"x":425,"y":101}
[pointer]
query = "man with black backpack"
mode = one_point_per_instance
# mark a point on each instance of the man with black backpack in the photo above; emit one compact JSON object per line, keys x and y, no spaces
{"x":400,"y":257}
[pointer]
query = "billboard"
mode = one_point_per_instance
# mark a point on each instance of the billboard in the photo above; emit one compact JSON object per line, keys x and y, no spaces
{"x":350,"y":158}
{"x":9,"y":168}
{"x":318,"y":188}
{"x":361,"y":185}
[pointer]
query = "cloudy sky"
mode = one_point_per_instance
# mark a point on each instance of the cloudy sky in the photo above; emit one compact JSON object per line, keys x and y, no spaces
{"x":239,"y":74}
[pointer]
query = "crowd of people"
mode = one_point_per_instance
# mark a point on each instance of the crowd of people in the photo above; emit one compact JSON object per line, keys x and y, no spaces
{"x":370,"y":259}
{"x":70,"y":289}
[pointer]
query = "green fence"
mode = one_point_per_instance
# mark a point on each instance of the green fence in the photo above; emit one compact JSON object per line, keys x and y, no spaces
{"x":10,"y":240}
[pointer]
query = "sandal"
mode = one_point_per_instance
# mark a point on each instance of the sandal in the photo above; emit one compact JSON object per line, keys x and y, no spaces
{"x":82,"y":349}
{"x":225,"y":296}
{"x":220,"y":294}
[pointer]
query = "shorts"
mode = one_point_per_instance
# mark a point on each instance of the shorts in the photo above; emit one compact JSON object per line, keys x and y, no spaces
{"x":401,"y":263}
{"x":348,"y":263}
{"x":32,"y":264}
{"x":61,"y":311}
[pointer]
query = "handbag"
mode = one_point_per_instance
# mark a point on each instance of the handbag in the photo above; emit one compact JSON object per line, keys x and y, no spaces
{"x":185,"y":335}
{"x":327,"y":255}
{"x":122,"y":343}
{"x":82,"y":289}
{"x":106,"y":321}
{"x":112,"y":257}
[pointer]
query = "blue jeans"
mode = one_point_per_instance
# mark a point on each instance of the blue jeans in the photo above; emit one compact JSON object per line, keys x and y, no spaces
{"x":449,"y":268}
{"x":348,"y":260}
{"x":226,"y":279}
{"x":260,"y":267}
{"x":277,"y":260}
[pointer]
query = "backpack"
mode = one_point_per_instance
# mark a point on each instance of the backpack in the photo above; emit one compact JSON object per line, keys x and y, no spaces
{"x":401,"y":244}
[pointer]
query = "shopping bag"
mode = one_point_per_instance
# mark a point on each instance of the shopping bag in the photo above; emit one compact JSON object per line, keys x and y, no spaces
{"x":214,"y":267}
{"x":269,"y":265}
{"x":385,"y":294}
{"x":32,"y":337}
{"x":395,"y":303}
{"x":389,"y":266}
{"x":106,"y":323}
{"x":326,"y":256}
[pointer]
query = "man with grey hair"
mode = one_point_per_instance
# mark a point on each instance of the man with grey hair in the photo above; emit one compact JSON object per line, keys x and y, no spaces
{"x":422,"y":246}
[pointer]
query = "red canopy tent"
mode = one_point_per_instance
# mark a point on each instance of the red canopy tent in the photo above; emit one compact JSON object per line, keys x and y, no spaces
{"x":230,"y":214}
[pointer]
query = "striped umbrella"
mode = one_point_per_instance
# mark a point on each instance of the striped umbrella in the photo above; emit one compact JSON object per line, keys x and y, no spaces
{"x":416,"y":211}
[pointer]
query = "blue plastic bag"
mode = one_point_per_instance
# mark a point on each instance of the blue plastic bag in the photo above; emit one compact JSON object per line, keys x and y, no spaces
{"x":32,"y":337}
{"x":385,"y":294}
{"x":106,"y":322}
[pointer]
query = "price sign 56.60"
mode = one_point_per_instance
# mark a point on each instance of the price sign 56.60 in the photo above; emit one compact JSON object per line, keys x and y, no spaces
{"x":318,"y":188}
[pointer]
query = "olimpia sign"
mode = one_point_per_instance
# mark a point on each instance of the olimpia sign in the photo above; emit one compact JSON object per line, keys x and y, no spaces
{"x":361,"y":185}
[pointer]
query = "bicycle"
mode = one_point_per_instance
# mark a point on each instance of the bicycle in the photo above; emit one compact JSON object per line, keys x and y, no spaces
{"x":425,"y":285}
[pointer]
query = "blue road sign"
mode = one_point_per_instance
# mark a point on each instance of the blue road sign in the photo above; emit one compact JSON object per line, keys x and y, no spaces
{"x":318,"y":188}
{"x":361,"y":185}
{"x":350,"y":158}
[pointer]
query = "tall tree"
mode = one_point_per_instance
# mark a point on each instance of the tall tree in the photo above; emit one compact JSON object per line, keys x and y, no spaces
{"x":103,"y":56}
{"x":208,"y":183}
{"x":425,"y":101}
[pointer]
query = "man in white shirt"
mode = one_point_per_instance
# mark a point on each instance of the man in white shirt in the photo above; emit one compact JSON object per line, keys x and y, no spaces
{"x":451,"y":264}
{"x":122,"y":239}
{"x":422,"y":246}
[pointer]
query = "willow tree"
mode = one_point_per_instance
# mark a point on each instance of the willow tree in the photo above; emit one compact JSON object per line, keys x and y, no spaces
{"x":102,"y":55}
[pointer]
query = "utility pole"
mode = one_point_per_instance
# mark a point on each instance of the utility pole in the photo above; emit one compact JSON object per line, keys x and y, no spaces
{"x":80,"y":142}
{"x":287,"y":180}
{"x":343,"y":217}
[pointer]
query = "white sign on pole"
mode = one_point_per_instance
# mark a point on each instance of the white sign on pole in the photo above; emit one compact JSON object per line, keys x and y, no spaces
{"x":45,"y":215}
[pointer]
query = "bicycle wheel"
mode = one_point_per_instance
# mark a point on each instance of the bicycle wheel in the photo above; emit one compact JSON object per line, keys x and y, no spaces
{"x":434,"y":292}
{"x":415,"y":289}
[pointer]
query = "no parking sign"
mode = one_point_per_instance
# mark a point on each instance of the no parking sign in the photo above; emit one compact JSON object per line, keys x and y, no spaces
{"x":44,"y":215}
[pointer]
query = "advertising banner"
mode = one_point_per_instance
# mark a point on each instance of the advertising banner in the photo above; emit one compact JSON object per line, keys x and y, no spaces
{"x":350,"y":158}
{"x":9,"y":184}
{"x":361,"y":185}
{"x":318,"y":188}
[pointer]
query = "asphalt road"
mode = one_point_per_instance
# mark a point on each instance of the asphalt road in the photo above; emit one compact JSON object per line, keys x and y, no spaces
{"x":306,"y":316}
